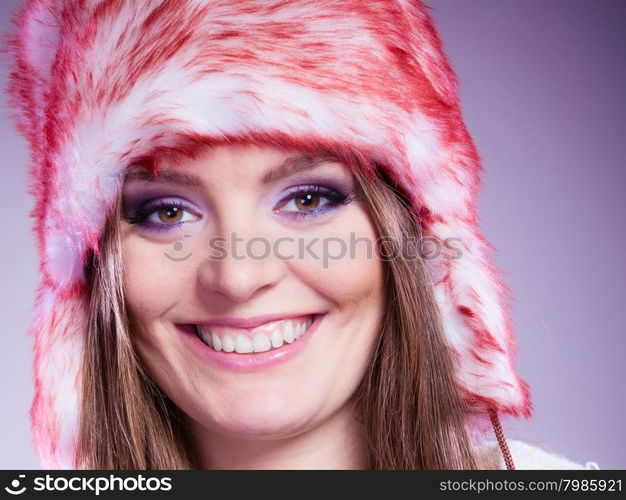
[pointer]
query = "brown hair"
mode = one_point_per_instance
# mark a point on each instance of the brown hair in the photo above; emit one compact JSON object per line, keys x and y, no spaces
{"x":412,"y":413}
{"x":126,"y":421}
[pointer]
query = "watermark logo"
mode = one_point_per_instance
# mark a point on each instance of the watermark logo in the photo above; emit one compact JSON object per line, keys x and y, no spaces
{"x":15,"y":489}
{"x":324,"y":249}
{"x":178,"y":246}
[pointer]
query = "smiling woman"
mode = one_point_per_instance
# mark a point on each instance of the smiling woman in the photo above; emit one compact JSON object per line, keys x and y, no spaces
{"x":254,"y":351}
{"x":266,"y":362}
{"x":259,"y":240}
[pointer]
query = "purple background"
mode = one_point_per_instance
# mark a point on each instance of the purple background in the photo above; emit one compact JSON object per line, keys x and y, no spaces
{"x":542,"y":86}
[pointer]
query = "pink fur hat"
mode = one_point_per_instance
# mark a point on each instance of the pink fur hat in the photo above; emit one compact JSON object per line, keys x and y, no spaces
{"x":98,"y":83}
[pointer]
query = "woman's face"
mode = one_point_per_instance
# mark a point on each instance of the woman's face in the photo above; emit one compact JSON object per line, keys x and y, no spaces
{"x":247,"y":255}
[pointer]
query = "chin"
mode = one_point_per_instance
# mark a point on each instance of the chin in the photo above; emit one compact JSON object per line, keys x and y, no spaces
{"x":261,"y":417}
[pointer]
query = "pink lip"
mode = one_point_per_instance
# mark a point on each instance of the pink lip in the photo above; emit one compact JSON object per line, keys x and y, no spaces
{"x":236,"y":362}
{"x":251,"y":322}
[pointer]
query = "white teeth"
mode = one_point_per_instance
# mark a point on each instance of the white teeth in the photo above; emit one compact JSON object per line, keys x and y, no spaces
{"x":277,"y":338}
{"x":297,"y":331}
{"x":302,"y":328}
{"x":228,"y":344}
{"x":261,"y":343}
{"x":243,"y":344}
{"x":217,"y":342}
{"x":289,"y":332}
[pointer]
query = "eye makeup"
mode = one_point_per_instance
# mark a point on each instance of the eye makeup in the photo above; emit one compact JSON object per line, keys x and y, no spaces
{"x":142,"y":213}
{"x":309,"y":196}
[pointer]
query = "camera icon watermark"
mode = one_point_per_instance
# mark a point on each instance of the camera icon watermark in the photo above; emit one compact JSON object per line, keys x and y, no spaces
{"x":15,"y":489}
{"x":177,"y":247}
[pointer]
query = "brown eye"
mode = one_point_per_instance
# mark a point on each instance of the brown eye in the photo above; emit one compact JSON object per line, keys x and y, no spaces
{"x":170,"y":215}
{"x":311,"y":201}
{"x":307,"y":201}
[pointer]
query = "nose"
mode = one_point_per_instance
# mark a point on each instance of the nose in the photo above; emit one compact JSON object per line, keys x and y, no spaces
{"x":243,"y":266}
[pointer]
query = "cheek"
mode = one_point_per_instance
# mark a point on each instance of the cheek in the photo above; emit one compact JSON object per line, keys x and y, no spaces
{"x":349,"y":275}
{"x":152,"y":286}
{"x":346,"y":266}
{"x":152,"y":283}
{"x":141,"y":279}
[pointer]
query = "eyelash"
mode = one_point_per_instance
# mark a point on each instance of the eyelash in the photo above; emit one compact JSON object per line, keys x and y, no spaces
{"x":333,"y":196}
{"x":141,"y":214}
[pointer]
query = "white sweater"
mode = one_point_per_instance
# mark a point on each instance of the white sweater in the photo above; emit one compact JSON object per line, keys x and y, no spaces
{"x":527,"y":456}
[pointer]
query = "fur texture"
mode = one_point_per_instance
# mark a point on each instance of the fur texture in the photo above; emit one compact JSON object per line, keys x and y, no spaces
{"x":98,"y":84}
{"x":530,"y":457}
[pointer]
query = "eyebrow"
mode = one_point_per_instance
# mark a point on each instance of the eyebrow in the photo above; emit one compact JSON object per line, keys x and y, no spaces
{"x":295,"y":164}
{"x":289,"y":166}
{"x":168,"y":176}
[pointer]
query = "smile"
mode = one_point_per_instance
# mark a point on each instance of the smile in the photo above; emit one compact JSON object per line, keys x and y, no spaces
{"x":268,"y":336}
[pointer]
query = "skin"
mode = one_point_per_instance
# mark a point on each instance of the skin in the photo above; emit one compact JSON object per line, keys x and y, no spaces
{"x":298,"y":414}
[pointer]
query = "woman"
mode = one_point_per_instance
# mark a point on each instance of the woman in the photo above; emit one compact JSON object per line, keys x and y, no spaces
{"x":161,"y":133}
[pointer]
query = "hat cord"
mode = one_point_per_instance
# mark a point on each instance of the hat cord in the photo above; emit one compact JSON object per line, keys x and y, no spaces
{"x":495,"y":421}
